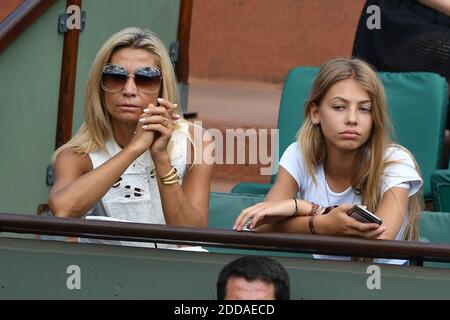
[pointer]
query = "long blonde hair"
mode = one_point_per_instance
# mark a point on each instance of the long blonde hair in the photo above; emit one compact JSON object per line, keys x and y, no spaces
{"x":96,"y":129}
{"x":370,"y":163}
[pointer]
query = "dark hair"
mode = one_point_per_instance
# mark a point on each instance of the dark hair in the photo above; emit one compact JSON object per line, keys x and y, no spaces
{"x":255,"y":268}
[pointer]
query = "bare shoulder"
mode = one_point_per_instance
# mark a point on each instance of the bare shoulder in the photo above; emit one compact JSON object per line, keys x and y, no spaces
{"x":69,"y":160}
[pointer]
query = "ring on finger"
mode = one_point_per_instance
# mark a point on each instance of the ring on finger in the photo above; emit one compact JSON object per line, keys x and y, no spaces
{"x":247,"y":224}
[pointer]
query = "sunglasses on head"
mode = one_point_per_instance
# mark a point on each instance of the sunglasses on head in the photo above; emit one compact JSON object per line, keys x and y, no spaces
{"x":114,"y":77}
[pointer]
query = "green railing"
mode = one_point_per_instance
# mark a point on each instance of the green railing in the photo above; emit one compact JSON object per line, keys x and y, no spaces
{"x":46,"y":269}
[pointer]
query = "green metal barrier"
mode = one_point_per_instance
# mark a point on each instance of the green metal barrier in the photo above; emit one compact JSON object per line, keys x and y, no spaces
{"x":37,"y":269}
{"x":44,"y":269}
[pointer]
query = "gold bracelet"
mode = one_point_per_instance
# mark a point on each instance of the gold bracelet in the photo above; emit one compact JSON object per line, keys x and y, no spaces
{"x":170,"y":173}
{"x":170,"y":178}
{"x":170,"y":183}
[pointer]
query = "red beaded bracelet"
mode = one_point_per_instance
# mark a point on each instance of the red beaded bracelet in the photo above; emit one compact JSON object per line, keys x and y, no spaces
{"x":314,"y":209}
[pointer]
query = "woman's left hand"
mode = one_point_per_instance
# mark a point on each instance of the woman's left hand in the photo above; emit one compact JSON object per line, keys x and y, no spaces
{"x":160,"y":119}
{"x":265,"y":212}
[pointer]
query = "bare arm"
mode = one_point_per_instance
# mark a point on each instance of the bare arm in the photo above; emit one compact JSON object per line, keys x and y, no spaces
{"x":443,"y":6}
{"x":276,"y":214}
{"x":78,"y":188}
{"x":392,"y":209}
{"x":187,"y":205}
{"x":285,"y":187}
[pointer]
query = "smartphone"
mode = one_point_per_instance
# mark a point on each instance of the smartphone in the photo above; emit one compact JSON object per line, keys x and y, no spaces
{"x":363,"y":215}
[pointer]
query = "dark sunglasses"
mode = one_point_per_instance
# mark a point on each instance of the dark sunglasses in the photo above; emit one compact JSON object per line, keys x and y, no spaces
{"x":147,"y":79}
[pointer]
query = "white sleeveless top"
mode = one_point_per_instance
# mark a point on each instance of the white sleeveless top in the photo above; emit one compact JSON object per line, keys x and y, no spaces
{"x":135,"y":196}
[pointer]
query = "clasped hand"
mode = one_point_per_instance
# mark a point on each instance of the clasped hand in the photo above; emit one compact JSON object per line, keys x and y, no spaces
{"x":155,"y":127}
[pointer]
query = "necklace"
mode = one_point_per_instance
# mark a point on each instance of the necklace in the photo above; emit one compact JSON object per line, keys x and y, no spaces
{"x":326,"y":187}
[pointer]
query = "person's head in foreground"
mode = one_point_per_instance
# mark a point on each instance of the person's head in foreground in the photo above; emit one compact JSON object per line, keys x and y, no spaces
{"x":253,"y":278}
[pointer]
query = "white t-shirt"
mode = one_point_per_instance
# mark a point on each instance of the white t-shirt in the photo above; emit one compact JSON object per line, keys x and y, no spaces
{"x":402,"y":173}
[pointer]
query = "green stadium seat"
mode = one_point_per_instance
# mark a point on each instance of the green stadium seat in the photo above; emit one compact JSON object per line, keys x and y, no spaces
{"x":225,"y":207}
{"x":434,"y":228}
{"x":440,"y":185}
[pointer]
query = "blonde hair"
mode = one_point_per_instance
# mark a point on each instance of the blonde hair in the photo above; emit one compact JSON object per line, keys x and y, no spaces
{"x":94,"y":132}
{"x":370,"y":162}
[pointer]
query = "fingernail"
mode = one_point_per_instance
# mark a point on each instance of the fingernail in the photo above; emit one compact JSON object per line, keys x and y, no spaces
{"x":147,"y":110}
{"x":145,"y":127}
{"x":176,"y":116}
{"x":234,"y":227}
{"x":175,"y":105}
{"x":142,"y":120}
{"x":174,"y":122}
{"x":160,"y":100}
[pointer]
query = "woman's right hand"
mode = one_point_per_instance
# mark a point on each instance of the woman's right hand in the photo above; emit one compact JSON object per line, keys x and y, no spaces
{"x":265,"y":212}
{"x":338,"y":223}
{"x":142,"y":138}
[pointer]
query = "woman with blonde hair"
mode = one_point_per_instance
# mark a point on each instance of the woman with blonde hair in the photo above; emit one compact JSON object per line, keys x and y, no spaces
{"x":130,"y":159}
{"x":342,"y":157}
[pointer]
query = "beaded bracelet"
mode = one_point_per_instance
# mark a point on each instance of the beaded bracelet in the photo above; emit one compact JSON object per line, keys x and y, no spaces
{"x":314,"y":209}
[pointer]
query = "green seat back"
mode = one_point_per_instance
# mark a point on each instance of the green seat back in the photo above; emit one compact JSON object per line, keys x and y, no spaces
{"x":225,"y":207}
{"x":434,"y":228}
{"x":253,"y":188}
{"x":417,"y":103}
{"x":440,"y":186}
{"x":296,"y":90}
